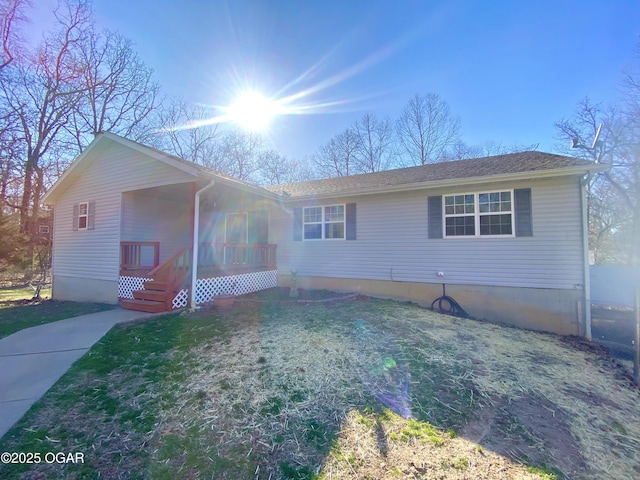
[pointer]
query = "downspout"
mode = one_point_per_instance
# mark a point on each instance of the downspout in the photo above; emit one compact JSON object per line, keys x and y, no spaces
{"x":196,"y":232}
{"x":584,"y":181}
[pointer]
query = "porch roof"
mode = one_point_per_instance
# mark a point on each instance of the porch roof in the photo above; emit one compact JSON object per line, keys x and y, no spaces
{"x":198,"y":172}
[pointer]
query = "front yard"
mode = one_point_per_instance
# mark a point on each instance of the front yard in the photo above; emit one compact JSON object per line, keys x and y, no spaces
{"x":364,"y":389}
{"x":19,"y":311}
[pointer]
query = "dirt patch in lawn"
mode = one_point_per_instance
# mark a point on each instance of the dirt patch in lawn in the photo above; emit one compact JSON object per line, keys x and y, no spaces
{"x":281,"y":295}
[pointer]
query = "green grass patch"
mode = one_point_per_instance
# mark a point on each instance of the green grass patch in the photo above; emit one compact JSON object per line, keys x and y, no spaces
{"x":619,"y":428}
{"x":16,"y":317}
{"x":14,"y":294}
{"x":112,"y":394}
{"x":545,"y":472}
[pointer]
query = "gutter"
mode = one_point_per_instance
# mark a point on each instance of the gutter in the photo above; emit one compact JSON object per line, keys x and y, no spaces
{"x":449,"y":182}
{"x":196,"y":232}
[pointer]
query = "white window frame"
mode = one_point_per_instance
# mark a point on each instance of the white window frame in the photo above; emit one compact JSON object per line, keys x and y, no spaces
{"x":477,"y":214}
{"x":83,"y":215}
{"x":324,"y":222}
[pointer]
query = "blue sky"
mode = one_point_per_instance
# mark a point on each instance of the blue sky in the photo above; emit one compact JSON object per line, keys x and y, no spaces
{"x":509,"y":70}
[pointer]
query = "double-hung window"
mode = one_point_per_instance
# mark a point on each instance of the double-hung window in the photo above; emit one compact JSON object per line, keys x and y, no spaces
{"x":83,"y":215}
{"x":326,"y":222}
{"x":479,"y":214}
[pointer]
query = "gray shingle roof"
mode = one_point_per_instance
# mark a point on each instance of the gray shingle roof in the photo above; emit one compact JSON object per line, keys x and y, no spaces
{"x":508,"y":164}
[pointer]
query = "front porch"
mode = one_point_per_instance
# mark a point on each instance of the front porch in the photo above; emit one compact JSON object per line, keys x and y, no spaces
{"x":222,"y":269}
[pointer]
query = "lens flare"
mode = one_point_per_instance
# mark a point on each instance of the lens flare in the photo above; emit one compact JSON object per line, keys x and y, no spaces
{"x":254,"y":111}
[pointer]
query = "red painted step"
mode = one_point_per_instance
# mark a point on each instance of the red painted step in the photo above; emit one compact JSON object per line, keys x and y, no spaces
{"x":155,"y":295}
{"x":149,"y":306}
{"x":157,"y":286}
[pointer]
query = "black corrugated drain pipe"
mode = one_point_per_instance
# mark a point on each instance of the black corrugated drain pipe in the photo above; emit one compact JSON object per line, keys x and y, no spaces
{"x":447,"y":305}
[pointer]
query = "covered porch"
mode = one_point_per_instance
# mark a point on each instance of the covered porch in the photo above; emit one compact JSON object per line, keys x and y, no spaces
{"x":234,"y":256}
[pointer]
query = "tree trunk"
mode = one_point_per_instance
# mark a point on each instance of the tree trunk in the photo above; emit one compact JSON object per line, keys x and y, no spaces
{"x":26,"y":198}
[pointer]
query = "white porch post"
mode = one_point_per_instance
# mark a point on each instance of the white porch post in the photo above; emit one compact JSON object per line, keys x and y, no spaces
{"x":196,"y":232}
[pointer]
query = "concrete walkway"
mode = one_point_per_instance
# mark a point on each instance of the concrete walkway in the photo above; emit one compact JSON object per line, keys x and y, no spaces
{"x":33,"y":359}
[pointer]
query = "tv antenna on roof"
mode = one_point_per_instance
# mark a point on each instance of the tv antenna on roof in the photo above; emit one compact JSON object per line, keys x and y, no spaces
{"x":595,"y":139}
{"x":575,"y":143}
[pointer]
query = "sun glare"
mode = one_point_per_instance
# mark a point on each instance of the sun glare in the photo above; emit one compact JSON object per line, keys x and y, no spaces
{"x":253,"y":111}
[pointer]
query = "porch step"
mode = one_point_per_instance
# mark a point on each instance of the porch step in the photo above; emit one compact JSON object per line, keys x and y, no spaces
{"x":156,"y":286}
{"x":153,"y":295}
{"x":150,"y":306}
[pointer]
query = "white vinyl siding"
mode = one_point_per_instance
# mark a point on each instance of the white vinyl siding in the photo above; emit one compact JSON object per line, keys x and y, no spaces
{"x":147,"y":217}
{"x":393,"y":243}
{"x":116,"y":169}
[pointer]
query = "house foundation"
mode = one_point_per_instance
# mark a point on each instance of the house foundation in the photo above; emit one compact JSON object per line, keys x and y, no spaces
{"x":78,"y":289}
{"x":548,"y":310}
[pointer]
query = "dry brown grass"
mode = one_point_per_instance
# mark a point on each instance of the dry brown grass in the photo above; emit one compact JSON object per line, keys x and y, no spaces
{"x":286,"y":392}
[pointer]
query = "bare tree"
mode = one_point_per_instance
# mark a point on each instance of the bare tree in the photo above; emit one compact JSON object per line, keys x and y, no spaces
{"x":275,"y":169}
{"x":119,"y":94}
{"x":41,"y":93}
{"x":338,"y":157}
{"x":56,"y":97}
{"x":426,"y":128}
{"x":12,"y":15}
{"x":236,"y":154}
{"x":375,"y":143}
{"x":613,"y":196}
{"x":186,"y":133}
{"x":461,"y":150}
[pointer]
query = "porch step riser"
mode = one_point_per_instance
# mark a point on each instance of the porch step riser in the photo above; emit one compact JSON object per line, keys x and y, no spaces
{"x":144,"y":305}
{"x":153,"y":295}
{"x":156,"y":286}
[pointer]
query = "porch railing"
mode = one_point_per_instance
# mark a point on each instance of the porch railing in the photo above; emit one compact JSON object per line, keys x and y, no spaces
{"x":213,"y":258}
{"x":220,"y":255}
{"x":139,"y":257}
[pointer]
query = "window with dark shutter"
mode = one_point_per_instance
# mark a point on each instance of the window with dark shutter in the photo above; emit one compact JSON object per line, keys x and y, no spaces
{"x":91,"y":216}
{"x":76,"y":213}
{"x":351,"y":221}
{"x":435,"y":216}
{"x":524,"y":220}
{"x":297,"y":224}
{"x":84,"y":216}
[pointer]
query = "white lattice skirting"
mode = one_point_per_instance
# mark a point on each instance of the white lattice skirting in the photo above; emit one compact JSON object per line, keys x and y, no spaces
{"x":181,"y":299}
{"x":208,"y":288}
{"x":128,"y":285}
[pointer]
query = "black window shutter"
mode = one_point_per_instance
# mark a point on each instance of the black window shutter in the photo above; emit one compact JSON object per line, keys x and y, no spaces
{"x":91,"y":217}
{"x":258,"y":227}
{"x":76,"y":213}
{"x":435,"y":216}
{"x":350,"y":217}
{"x":297,"y":224}
{"x":523,"y":217}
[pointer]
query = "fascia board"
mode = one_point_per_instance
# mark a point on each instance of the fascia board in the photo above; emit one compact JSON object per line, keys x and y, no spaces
{"x":454,"y":182}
